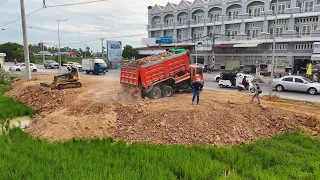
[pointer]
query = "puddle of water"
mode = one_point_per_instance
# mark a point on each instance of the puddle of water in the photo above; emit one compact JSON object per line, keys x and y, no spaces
{"x":21,"y":122}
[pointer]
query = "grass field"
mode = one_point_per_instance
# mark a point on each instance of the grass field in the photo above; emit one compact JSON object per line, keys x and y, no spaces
{"x":10,"y":108}
{"x":287,"y":156}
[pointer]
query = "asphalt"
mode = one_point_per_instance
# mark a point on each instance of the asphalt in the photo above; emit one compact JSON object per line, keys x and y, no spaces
{"x":209,"y":84}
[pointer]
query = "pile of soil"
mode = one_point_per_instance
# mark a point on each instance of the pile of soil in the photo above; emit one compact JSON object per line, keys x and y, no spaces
{"x":149,"y":59}
{"x":221,"y":119}
{"x":101,"y":109}
{"x":86,"y":112}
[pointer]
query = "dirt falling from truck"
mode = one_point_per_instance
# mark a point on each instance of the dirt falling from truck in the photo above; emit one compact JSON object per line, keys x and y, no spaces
{"x":129,"y":93}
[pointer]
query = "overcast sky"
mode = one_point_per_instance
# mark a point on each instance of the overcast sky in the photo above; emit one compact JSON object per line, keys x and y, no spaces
{"x":110,"y":19}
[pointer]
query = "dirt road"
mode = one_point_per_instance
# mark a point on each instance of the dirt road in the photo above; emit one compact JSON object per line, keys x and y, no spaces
{"x":98,"y":110}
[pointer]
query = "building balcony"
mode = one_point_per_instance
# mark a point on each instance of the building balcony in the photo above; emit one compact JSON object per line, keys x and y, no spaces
{"x":195,"y":23}
{"x":154,"y":27}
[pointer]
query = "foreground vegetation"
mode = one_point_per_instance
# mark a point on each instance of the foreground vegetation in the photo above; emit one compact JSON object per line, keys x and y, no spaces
{"x":287,"y":156}
{"x":10,"y":108}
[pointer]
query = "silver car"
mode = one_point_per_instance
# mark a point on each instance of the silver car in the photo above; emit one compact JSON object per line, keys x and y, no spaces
{"x":296,"y":83}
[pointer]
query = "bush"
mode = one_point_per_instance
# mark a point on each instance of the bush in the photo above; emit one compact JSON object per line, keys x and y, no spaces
{"x":4,"y":77}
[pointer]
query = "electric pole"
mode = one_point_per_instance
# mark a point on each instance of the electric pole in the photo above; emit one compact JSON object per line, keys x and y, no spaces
{"x":273,"y":50}
{"x":85,"y":51}
{"x":102,"y":39}
{"x":43,"y":51}
{"x":25,"y":41}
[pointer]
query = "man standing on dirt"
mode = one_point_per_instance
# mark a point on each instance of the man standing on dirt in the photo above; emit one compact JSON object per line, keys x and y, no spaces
{"x":257,"y":93}
{"x":197,"y":87}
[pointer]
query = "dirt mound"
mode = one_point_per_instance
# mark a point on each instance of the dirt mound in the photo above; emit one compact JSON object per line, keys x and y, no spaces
{"x":100,"y":108}
{"x":218,"y":121}
{"x":85,"y":112}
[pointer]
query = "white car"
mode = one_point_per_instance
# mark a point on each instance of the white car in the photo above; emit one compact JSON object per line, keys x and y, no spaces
{"x":74,"y":64}
{"x":22,"y":67}
{"x":296,"y":83}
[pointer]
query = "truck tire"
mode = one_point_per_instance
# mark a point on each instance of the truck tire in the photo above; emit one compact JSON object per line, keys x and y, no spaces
{"x":167,"y":91}
{"x":155,"y":93}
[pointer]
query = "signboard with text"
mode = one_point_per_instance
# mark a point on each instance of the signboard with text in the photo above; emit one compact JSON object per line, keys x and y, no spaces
{"x":165,"y":40}
{"x":114,"y":50}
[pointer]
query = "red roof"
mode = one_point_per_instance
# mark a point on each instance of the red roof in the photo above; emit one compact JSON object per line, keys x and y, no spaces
{"x":73,"y":53}
{"x":190,"y":3}
{"x":161,"y":7}
{"x":206,"y":1}
{"x":175,"y":5}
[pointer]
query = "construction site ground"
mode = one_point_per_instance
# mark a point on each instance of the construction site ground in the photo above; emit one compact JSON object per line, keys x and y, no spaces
{"x":101,"y":109}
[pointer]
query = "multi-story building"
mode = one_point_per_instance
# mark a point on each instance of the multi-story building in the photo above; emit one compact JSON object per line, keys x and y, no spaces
{"x":243,"y":30}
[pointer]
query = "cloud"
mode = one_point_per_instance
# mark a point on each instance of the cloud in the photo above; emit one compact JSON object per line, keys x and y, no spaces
{"x":112,"y":19}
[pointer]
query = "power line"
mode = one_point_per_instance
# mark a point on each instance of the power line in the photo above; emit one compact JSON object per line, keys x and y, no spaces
{"x":3,"y":1}
{"x":29,"y":14}
{"x":73,"y":4}
{"x":45,"y":6}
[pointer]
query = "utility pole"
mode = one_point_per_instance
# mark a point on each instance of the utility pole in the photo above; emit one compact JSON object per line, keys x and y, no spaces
{"x":43,"y":51}
{"x":59,"y":42}
{"x":85,"y":51}
{"x":102,"y":39}
{"x":25,"y":41}
{"x":273,"y":50}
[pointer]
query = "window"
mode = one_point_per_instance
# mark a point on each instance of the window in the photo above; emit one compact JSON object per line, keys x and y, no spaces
{"x":311,"y":6}
{"x":248,"y":33}
{"x":318,"y":2}
{"x":288,"y":79}
{"x":299,"y":5}
{"x":298,"y":80}
{"x":315,"y":27}
{"x":288,"y":5}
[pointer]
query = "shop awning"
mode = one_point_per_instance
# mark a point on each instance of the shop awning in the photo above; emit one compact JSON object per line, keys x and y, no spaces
{"x":223,"y":45}
{"x":246,"y":45}
{"x":315,"y":57}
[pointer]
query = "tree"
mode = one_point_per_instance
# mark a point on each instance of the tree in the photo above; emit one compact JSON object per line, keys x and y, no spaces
{"x":12,"y":50}
{"x":129,"y":52}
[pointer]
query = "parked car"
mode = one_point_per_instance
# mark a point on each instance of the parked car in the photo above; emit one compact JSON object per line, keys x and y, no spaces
{"x":22,"y":67}
{"x":50,"y":64}
{"x":75,"y":64}
{"x":296,"y":83}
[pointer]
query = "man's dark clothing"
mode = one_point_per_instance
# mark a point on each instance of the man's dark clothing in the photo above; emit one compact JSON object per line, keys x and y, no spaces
{"x":197,"y":87}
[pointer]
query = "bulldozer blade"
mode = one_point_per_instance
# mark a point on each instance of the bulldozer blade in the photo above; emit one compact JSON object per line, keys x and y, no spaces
{"x":45,"y":86}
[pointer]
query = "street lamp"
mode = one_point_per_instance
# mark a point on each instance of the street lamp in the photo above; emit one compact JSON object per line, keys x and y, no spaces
{"x":59,"y":42}
{"x":199,"y":43}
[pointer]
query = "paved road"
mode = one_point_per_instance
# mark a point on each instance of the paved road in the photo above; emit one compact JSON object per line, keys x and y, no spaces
{"x":209,"y":84}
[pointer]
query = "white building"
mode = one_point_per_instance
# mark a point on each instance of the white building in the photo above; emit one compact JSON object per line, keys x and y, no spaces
{"x":243,"y":30}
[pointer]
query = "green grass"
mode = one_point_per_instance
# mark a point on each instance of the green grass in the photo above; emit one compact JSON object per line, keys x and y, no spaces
{"x":287,"y":156}
{"x":10,"y":108}
{"x":4,"y":88}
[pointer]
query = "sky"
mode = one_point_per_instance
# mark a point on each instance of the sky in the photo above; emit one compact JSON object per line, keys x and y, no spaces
{"x":110,"y":19}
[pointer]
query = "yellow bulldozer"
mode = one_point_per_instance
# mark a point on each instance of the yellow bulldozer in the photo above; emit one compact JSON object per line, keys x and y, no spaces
{"x":64,"y":81}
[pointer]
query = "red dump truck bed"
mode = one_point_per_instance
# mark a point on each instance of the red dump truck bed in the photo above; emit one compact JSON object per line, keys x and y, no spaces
{"x":176,"y":66}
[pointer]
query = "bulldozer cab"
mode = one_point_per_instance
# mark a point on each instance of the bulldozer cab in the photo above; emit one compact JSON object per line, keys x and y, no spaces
{"x":196,"y":72}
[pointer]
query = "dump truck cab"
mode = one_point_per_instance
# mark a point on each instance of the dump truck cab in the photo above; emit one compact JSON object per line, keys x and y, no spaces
{"x":196,"y":71}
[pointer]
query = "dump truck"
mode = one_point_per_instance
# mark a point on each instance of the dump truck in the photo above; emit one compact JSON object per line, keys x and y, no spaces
{"x":162,"y":77}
